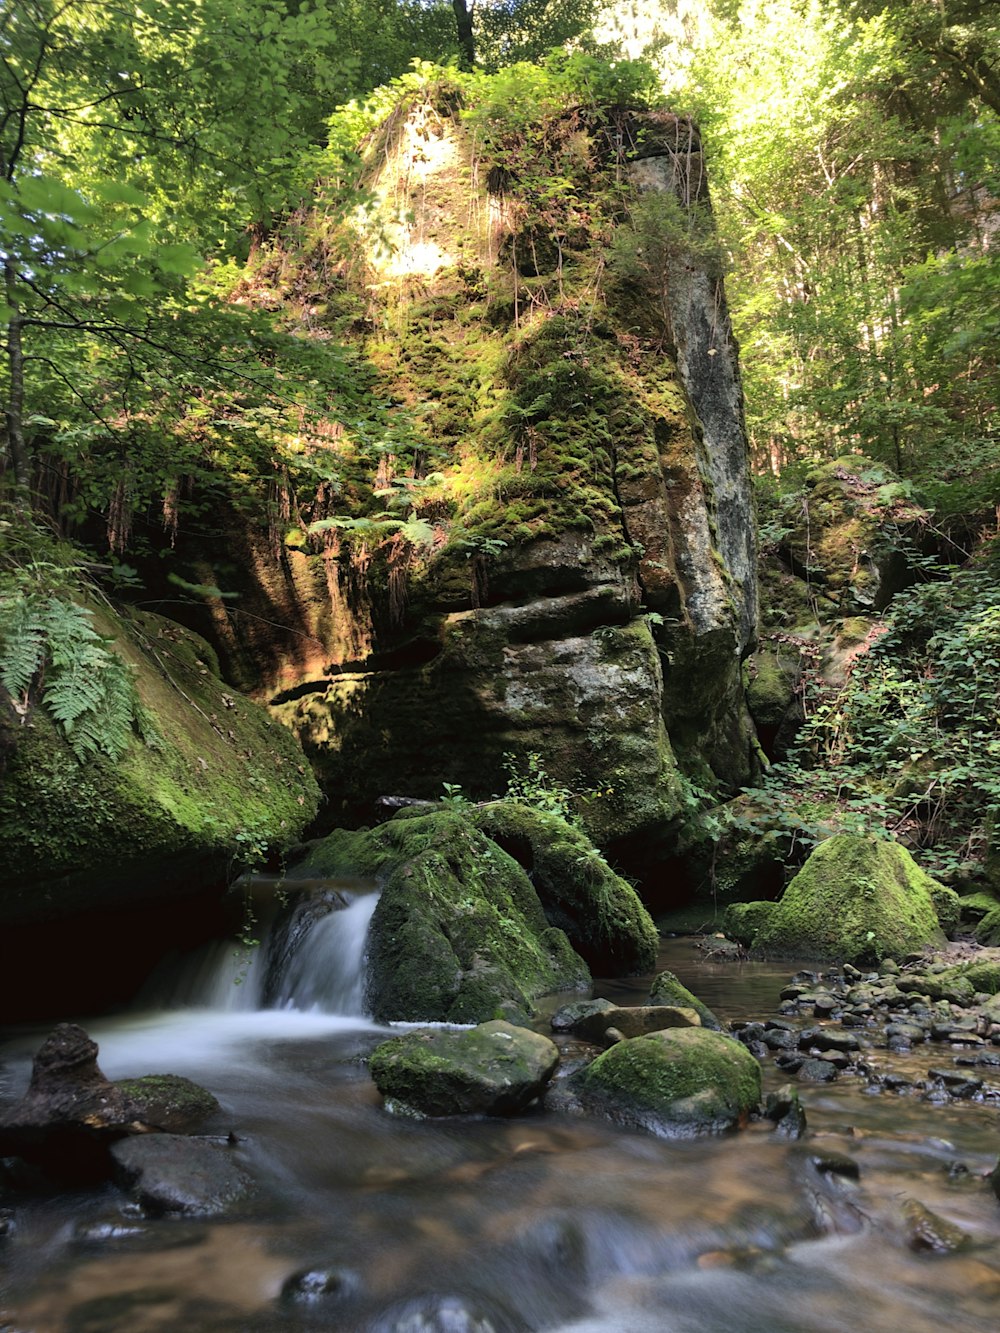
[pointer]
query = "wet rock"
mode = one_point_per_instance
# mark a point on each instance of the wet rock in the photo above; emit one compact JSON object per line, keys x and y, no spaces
{"x":829,"y":1163}
{"x":778,"y":1040}
{"x":444,"y":1314}
{"x":784,"y":1108}
{"x":320,"y":1286}
{"x":897,"y":1082}
{"x":789,"y":1062}
{"x":926,"y":1230}
{"x":169,"y":1102}
{"x":827,"y":1039}
{"x":957,"y":1083}
{"x":666,"y":989}
{"x":494,"y":1069}
{"x":71,"y":1113}
{"x":818,"y":1071}
{"x":908,"y":1031}
{"x":825,"y":1005}
{"x":683,"y":1081}
{"x":599,"y":1025}
{"x":168,"y":1174}
{"x":571,"y":1016}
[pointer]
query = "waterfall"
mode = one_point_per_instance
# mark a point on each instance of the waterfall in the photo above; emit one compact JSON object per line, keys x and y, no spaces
{"x":311,"y":960}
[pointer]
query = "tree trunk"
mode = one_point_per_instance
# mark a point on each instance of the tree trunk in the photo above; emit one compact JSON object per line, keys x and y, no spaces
{"x":14,"y":412}
{"x":466,"y":38}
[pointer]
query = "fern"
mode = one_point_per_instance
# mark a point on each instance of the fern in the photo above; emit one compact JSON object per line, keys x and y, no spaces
{"x":89,"y":690}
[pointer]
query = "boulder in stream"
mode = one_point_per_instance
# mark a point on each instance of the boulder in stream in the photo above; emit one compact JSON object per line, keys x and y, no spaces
{"x":169,"y":1102}
{"x":604,"y":1023}
{"x":667,"y":989}
{"x":677,"y":1082}
{"x":492,"y":1069}
{"x":174,"y":1174}
{"x":71,"y":1112}
{"x":857,"y":898}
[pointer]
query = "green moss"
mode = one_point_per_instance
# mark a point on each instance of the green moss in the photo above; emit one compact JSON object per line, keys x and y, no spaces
{"x":601,"y":914}
{"x":743,"y":921}
{"x":988,"y":930}
{"x":771,"y":689}
{"x":667,"y":989}
{"x":974,"y":906}
{"x":948,"y":907}
{"x":682,"y":1079}
{"x":220,"y":784}
{"x":169,"y":1101}
{"x":856,"y":898}
{"x":459,"y":933}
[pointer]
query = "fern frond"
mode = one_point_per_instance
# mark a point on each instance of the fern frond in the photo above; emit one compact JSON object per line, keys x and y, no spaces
{"x":22,"y":643}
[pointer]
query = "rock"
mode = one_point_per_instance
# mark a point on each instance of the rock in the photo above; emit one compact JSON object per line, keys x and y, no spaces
{"x":317,"y":1286}
{"x":168,"y":1174}
{"x":600,"y":913}
{"x":71,"y":1112}
{"x":827,"y":1039}
{"x":579,"y":1013}
{"x":632,"y":1021}
{"x":459,"y":934}
{"x":856,"y":897}
{"x":831,"y":1163}
{"x":494,"y":1069}
{"x":784,"y":1108}
{"x":443,"y":1314}
{"x":818,"y":1071}
{"x":907,"y":1032}
{"x":169,"y":1102}
{"x":682,"y":1081}
{"x":926,"y":1230}
{"x":666,"y":989}
{"x":744,"y":921}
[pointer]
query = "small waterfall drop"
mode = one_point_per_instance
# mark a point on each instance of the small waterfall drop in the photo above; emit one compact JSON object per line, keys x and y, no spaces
{"x":326,"y":974}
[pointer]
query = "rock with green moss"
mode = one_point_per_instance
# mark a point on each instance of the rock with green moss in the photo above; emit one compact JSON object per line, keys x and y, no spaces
{"x":459,"y":934}
{"x":948,"y":907}
{"x":974,"y":906}
{"x":771,"y":690}
{"x":212,"y":781}
{"x":494,"y":1069}
{"x":857,"y":898}
{"x":602,"y":915}
{"x":744,"y":921}
{"x":667,"y":989}
{"x":988,"y":929}
{"x":169,"y":1101}
{"x":677,"y":1082}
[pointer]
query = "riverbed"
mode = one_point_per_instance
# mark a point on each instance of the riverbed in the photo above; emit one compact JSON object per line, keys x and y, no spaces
{"x":544,"y":1222}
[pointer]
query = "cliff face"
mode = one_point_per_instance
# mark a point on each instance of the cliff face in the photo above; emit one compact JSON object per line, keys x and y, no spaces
{"x":537,"y":296}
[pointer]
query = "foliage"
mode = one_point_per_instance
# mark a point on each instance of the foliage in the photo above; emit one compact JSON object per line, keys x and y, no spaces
{"x":909,"y":747}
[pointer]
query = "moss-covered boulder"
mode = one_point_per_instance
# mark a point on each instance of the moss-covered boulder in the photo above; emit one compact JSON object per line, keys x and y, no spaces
{"x":744,"y":921}
{"x":169,"y":1101}
{"x":667,"y":989}
{"x":600,"y":912}
{"x":857,"y":898}
{"x":212,"y":780}
{"x":459,"y":934}
{"x":676,"y":1082}
{"x":988,"y":929}
{"x":494,"y":1069}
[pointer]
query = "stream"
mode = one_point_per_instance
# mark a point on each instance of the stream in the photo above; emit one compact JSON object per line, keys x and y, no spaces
{"x":544,"y":1222}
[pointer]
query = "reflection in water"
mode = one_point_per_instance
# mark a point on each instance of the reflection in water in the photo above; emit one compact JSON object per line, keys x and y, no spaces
{"x":541,"y":1223}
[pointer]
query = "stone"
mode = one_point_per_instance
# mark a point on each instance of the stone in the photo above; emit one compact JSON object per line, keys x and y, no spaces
{"x":441,"y":1314}
{"x":317,"y":1286}
{"x":165,"y":1173}
{"x":927,"y":1230}
{"x":818,"y":1071}
{"x":784,"y":1108}
{"x":169,"y":1102}
{"x":579,"y":1013}
{"x":492,"y":1069}
{"x":632,"y":1021}
{"x":70,"y":1112}
{"x":857,"y":897}
{"x":667,"y":989}
{"x":676,"y":1082}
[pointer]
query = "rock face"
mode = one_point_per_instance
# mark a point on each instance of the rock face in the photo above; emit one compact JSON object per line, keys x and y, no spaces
{"x":460,"y":933}
{"x":496,"y":1069}
{"x":856,"y":898}
{"x":676,"y":1082}
{"x":577,"y":576}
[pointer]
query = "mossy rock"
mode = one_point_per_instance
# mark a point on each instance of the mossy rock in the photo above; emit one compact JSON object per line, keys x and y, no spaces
{"x":676,"y":1082}
{"x":667,"y":989}
{"x":459,"y":934}
{"x":856,"y":899}
{"x":743,"y":921}
{"x":948,"y":907}
{"x":601,"y":914}
{"x":988,"y":930}
{"x":771,"y":688}
{"x":495,"y":1069}
{"x":215,"y":781}
{"x":974,"y":906}
{"x":169,"y":1102}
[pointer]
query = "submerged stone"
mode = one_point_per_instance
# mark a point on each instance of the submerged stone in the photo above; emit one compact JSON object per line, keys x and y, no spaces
{"x":494,"y":1069}
{"x":681,"y":1081}
{"x":168,"y":1174}
{"x":928,"y":1231}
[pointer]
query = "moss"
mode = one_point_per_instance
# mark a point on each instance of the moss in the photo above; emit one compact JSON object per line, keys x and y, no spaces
{"x":601,"y":914}
{"x":666,"y":989}
{"x":459,"y":933}
{"x":679,"y":1080}
{"x":169,"y":1101}
{"x":988,"y":930}
{"x":948,"y":907}
{"x":856,"y":898}
{"x":743,"y":921}
{"x":974,"y":906}
{"x":218,"y":782}
{"x":771,"y":689}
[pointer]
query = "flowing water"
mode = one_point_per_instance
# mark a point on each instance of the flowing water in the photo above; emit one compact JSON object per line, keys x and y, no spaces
{"x":539,"y":1223}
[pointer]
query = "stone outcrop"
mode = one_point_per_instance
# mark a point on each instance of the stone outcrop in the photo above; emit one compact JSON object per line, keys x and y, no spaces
{"x":576,"y":574}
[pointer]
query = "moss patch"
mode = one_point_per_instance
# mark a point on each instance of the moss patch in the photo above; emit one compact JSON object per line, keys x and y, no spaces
{"x":682,"y":1080}
{"x":667,"y":989}
{"x":169,"y":1101}
{"x":856,"y":898}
